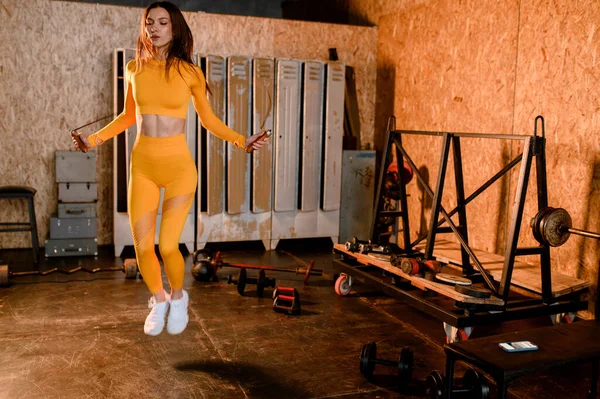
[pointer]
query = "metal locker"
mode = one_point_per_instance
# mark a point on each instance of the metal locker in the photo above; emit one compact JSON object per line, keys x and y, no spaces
{"x":212,"y":164}
{"x":333,"y":137}
{"x":239,"y":112}
{"x":286,"y":134}
{"x":263,"y":105}
{"x":312,"y":135}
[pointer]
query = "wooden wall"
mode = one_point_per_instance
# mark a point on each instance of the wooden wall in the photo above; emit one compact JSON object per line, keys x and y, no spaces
{"x":491,"y":66}
{"x":56,"y":68}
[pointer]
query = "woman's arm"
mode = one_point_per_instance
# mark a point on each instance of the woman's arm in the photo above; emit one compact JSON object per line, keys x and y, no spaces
{"x":121,"y":122}
{"x":209,"y":120}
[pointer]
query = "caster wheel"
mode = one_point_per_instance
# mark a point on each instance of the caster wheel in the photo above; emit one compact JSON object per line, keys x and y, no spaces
{"x":343,"y":285}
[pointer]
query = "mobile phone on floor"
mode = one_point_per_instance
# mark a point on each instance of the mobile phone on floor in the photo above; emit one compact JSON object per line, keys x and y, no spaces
{"x":519,"y":346}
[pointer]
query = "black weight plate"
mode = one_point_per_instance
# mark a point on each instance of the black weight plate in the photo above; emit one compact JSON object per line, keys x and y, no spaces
{"x":396,"y":260}
{"x":351,"y":247}
{"x":535,"y":224}
{"x":405,"y":366}
{"x":475,"y":383}
{"x":367,"y":359}
{"x":241,"y":285}
{"x":434,"y":385}
{"x":552,"y":225}
{"x":473,"y":291}
{"x":261,"y":283}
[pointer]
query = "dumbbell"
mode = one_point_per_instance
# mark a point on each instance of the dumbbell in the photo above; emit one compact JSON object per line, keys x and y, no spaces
{"x":473,"y":386}
{"x":368,"y":361}
{"x":261,"y":282}
{"x":353,"y":244}
{"x":286,"y":300}
{"x":371,"y":248}
{"x":415,"y":266}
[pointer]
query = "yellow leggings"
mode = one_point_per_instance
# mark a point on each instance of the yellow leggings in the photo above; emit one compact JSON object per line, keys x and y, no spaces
{"x":155,"y":163}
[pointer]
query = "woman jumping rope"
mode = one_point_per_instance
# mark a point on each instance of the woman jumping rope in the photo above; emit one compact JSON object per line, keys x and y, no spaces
{"x":160,"y":83}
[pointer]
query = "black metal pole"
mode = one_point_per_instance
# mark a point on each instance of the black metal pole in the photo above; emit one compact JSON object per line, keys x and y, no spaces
{"x":515,"y":222}
{"x":437,"y":197}
{"x":460,"y":201}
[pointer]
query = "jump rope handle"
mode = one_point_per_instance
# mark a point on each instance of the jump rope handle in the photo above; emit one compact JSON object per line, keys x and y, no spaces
{"x":265,"y":135}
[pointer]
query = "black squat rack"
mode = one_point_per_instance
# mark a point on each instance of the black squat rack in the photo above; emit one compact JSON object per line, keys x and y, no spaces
{"x":490,"y":298}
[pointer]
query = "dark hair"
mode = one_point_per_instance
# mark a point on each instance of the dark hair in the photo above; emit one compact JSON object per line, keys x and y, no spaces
{"x":181,"y":47}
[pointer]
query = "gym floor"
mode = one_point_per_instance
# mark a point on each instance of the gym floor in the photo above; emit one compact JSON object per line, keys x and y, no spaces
{"x":80,"y":336}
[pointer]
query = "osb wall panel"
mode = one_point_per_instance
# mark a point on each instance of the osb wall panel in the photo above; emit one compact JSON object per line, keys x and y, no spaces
{"x":452,"y":67}
{"x":558,"y":78}
{"x":370,"y":11}
{"x":57,"y":66}
{"x":57,"y":57}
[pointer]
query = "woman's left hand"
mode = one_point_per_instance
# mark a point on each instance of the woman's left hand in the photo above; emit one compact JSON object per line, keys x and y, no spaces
{"x":256,"y":141}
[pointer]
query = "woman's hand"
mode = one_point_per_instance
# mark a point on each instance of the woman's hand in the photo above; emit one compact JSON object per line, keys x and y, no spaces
{"x":257,"y":140}
{"x":80,"y":140}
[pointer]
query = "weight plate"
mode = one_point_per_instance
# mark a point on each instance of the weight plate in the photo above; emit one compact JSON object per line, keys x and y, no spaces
{"x":241,"y":285}
{"x":4,"y":273}
{"x":452,"y":279}
{"x":351,"y":247}
{"x":535,"y":223}
{"x":367,"y":359}
{"x":434,"y":265}
{"x":476,"y":292}
{"x":434,"y":385}
{"x":409,"y":266}
{"x":476,"y":384}
{"x":552,"y":227}
{"x":396,"y":260}
{"x":261,"y":283}
{"x":405,"y":366}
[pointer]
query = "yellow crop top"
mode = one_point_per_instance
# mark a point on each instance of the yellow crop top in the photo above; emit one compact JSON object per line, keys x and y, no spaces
{"x":148,"y":92}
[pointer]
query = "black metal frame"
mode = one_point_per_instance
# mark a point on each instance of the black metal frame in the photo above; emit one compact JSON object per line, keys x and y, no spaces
{"x":459,"y":315}
{"x":456,"y":313}
{"x":534,"y":147}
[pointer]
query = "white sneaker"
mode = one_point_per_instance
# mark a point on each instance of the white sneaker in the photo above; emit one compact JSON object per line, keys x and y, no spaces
{"x":178,"y":315}
{"x":155,"y":321}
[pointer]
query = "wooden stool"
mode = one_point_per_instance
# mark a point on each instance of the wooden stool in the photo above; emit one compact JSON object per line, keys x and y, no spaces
{"x":27,"y":193}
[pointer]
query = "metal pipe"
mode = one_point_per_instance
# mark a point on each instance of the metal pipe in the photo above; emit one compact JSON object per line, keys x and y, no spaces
{"x":580,"y":232}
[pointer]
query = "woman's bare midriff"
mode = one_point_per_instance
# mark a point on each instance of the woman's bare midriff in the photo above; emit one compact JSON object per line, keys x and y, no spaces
{"x":159,"y":125}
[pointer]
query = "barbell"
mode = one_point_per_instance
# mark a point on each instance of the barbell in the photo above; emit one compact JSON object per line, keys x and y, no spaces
{"x":553,"y":227}
{"x":205,"y":266}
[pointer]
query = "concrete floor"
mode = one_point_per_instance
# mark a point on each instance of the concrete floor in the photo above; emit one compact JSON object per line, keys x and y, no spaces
{"x":80,"y":336}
